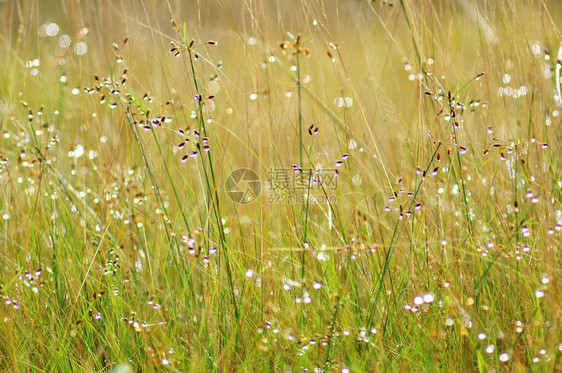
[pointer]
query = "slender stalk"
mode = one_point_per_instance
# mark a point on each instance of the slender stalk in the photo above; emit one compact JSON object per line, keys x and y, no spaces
{"x":392,"y":245}
{"x":452,"y":115}
{"x":301,"y":158}
{"x":210,"y":181}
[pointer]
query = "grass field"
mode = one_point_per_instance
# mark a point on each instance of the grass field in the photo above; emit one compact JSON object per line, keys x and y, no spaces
{"x":398,"y":206}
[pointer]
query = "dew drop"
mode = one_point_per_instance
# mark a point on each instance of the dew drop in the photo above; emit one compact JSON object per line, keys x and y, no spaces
{"x":80,"y":48}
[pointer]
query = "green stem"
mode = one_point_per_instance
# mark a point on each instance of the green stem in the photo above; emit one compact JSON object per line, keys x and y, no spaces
{"x":210,"y":181}
{"x":392,"y":244}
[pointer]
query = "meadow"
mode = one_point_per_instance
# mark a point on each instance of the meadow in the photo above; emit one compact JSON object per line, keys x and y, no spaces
{"x":284,"y":186}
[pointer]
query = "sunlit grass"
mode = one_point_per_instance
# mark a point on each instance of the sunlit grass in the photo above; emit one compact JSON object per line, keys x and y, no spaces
{"x":408,"y":214}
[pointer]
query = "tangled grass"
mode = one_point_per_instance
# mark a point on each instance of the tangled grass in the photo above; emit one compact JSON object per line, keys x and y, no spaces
{"x":398,"y":206}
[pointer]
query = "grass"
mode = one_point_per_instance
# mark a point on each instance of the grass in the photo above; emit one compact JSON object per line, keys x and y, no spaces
{"x":408,"y":154}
